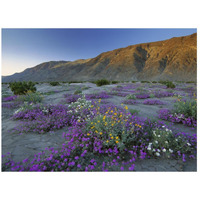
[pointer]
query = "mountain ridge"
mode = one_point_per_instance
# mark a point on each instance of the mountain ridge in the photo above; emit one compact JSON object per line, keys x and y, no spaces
{"x":172,"y":59}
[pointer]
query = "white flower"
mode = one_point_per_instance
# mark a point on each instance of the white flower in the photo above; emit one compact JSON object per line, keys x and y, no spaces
{"x":150,"y":144}
{"x":149,"y":148}
{"x":153,"y":150}
{"x":171,"y":151}
{"x":158,"y":135}
{"x":156,"y":142}
{"x":158,"y":150}
{"x":157,"y":154}
{"x":176,"y":140}
{"x":164,"y":150}
{"x":166,"y":142}
{"x":163,"y":126}
{"x":188,"y":144}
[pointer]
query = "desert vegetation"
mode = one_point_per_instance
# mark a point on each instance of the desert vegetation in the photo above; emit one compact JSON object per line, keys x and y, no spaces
{"x":106,"y":126}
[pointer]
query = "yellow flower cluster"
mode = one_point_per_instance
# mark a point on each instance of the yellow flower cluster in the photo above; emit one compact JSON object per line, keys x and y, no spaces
{"x":138,"y":125}
{"x":108,"y":121}
{"x":126,"y":107}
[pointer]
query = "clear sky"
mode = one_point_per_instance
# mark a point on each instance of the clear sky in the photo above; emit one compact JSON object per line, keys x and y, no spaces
{"x":25,"y":48}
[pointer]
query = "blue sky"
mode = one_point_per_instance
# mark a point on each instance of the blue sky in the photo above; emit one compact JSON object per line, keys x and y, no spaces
{"x":24,"y":48}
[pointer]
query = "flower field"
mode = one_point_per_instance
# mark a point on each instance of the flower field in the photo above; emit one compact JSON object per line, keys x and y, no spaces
{"x":82,"y":127}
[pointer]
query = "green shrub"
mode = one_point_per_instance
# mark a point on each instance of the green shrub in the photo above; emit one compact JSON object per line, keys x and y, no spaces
{"x":140,"y":89}
{"x":85,"y":87}
{"x":154,"y":81}
{"x":20,"y":88}
{"x":54,"y":83}
{"x":152,"y":95}
{"x":130,"y":96}
{"x":115,"y":82}
{"x":102,"y":82}
{"x":163,"y":82}
{"x":188,"y":108}
{"x":134,"y":111}
{"x":48,"y":93}
{"x":133,"y":81}
{"x":169,"y":84}
{"x":24,"y":107}
{"x":31,"y":97}
{"x":76,"y":82}
{"x":78,"y":91}
{"x":145,"y":82}
{"x":190,"y":82}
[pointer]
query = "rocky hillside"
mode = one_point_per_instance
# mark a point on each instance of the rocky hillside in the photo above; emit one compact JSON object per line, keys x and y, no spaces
{"x":174,"y":59}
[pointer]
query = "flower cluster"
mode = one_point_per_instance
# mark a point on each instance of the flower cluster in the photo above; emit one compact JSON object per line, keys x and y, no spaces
{"x":11,"y":105}
{"x":131,"y":96}
{"x":10,"y":98}
{"x":142,"y":96}
{"x":153,"y":102}
{"x":117,"y":93}
{"x":72,"y":97}
{"x":43,"y":119}
{"x":101,"y":95}
{"x":161,"y":94}
{"x":166,"y":114}
{"x":165,"y":143}
{"x":129,"y":102}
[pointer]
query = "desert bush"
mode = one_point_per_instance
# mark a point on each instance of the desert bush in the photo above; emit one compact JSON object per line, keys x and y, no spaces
{"x":162,"y":82}
{"x":169,"y":84}
{"x":134,"y":111}
{"x":76,"y":82}
{"x":190,"y":82}
{"x":130,"y":96}
{"x":188,"y":108}
{"x":20,"y":88}
{"x":54,"y":83}
{"x":102,"y":82}
{"x":31,"y":97}
{"x":24,"y":107}
{"x":85,"y":87}
{"x":78,"y":91}
{"x":114,"y":82}
{"x":152,"y":95}
{"x":140,"y":89}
